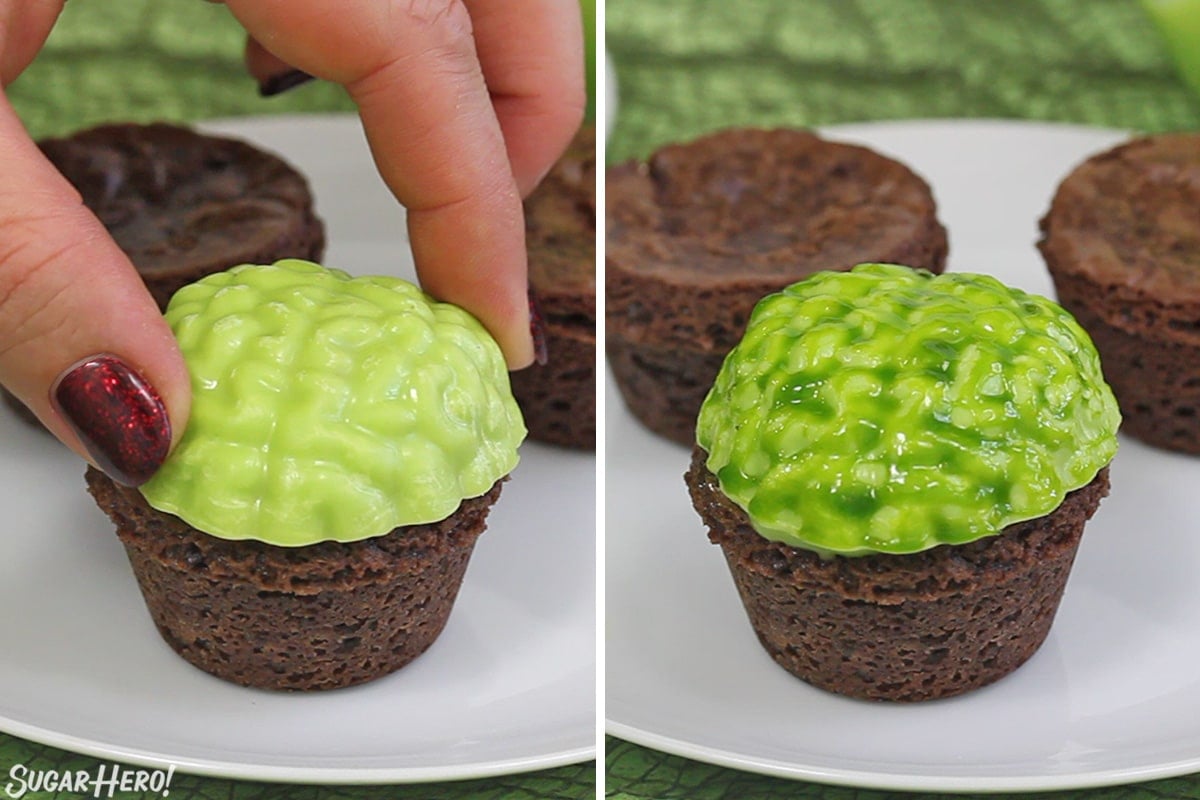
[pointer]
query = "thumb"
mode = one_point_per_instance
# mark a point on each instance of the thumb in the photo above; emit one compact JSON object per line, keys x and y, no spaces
{"x":82,"y":343}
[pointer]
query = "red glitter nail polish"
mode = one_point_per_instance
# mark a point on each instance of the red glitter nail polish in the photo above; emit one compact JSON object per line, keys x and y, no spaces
{"x":537,"y":329}
{"x":117,"y":415}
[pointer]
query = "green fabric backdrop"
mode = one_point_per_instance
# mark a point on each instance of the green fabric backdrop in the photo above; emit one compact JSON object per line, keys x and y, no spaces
{"x":178,"y":60}
{"x":689,"y":66}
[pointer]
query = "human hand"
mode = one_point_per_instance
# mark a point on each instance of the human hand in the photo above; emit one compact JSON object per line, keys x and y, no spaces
{"x":466,"y":105}
{"x":82,"y":343}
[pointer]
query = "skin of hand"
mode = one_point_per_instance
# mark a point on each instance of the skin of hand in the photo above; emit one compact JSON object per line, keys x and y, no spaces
{"x":466,"y":105}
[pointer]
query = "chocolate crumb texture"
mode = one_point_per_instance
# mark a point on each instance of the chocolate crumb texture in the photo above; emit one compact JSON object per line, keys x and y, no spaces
{"x":323,"y":616}
{"x":700,"y":232}
{"x":901,"y":627}
{"x":558,"y":399}
{"x":1122,"y":243}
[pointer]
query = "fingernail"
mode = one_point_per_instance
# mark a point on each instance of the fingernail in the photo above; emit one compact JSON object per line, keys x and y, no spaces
{"x":117,"y":415}
{"x":537,"y":329}
{"x":278,"y":84}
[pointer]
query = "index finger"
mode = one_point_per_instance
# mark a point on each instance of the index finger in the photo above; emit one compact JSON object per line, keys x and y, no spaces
{"x":412,"y":69}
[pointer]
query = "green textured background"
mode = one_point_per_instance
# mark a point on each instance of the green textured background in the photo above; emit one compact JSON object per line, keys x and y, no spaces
{"x":144,"y":60}
{"x":689,"y":66}
{"x":179,"y":60}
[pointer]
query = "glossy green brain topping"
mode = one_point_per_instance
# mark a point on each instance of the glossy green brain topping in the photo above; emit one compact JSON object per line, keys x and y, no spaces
{"x":327,"y":407}
{"x":891,"y":410}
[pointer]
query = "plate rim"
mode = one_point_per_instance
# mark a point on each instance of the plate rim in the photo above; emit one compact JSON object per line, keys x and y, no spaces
{"x":892,"y":779}
{"x":341,"y":776}
{"x":899,"y":781}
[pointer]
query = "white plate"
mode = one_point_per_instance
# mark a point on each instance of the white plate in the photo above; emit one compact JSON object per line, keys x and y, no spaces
{"x":509,"y":686}
{"x":1113,"y":695}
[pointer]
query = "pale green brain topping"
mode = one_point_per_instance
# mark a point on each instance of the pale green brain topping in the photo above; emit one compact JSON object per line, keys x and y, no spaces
{"x":327,"y":407}
{"x":891,"y":410}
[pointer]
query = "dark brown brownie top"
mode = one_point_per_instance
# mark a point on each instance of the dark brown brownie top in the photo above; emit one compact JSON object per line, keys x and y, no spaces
{"x":748,"y":203}
{"x":702,"y":231}
{"x":560,"y":232}
{"x":175,"y":200}
{"x":1130,"y":217}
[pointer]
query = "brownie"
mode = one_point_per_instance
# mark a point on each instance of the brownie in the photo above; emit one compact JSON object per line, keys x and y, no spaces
{"x":901,"y":627}
{"x":182,"y":205}
{"x":558,"y":399}
{"x":1122,"y":242}
{"x":701,"y":231}
{"x":322,"y":616}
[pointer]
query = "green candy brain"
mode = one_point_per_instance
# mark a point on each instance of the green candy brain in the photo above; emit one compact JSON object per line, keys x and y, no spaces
{"x":331,"y":408}
{"x":890,"y":410}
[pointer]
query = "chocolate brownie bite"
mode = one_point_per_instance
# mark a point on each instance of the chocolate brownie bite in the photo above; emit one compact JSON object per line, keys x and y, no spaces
{"x":181,"y":204}
{"x":886,"y":627}
{"x":1122,"y":242}
{"x":558,"y":398}
{"x":296,"y":619}
{"x":347,"y":438}
{"x":898,"y":468}
{"x":698,"y":233}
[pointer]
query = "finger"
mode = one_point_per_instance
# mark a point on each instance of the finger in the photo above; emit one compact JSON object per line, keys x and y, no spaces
{"x":261,"y":63}
{"x":81,"y":341}
{"x":532,"y":58}
{"x":412,"y":69}
{"x":24,"y":26}
{"x":274,"y":75}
